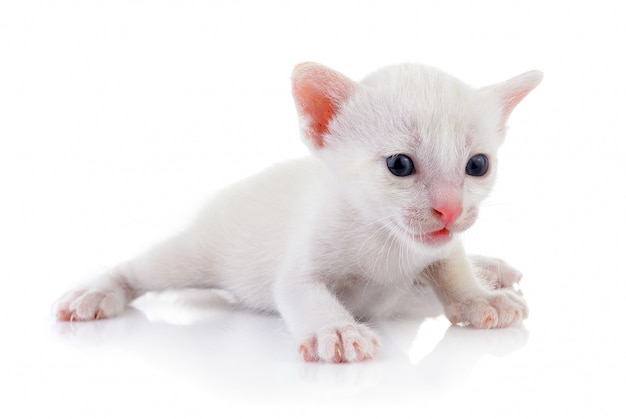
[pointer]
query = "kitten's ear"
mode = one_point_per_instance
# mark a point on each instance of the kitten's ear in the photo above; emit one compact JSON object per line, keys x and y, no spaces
{"x":512,"y":91}
{"x":318,"y":92}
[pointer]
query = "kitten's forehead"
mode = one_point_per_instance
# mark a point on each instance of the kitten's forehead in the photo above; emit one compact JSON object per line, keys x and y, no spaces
{"x":434,"y":110}
{"x":417,"y":82}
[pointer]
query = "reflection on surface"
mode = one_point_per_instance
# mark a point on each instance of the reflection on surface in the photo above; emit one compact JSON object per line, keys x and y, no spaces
{"x":200,"y":337}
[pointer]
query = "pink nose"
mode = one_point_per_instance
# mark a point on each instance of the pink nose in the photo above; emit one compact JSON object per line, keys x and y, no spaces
{"x":447,"y":214}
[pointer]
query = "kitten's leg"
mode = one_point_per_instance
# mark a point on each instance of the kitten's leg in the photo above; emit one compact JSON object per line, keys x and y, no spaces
{"x":495,"y":272}
{"x":325,"y":329}
{"x":466,"y":301}
{"x":173,"y":264}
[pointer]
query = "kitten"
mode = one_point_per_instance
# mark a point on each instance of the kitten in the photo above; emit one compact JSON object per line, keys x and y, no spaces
{"x":402,"y":161}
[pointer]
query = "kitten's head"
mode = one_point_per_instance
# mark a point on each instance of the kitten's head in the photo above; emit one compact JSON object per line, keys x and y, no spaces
{"x":413,"y":148}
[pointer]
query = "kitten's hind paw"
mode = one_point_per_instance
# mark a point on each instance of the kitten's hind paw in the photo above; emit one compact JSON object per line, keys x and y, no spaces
{"x":495,"y":272}
{"x":89,"y":304}
{"x":346,"y":343}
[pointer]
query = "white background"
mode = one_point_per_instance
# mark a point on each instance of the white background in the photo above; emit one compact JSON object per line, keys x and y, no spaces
{"x":119,"y":118}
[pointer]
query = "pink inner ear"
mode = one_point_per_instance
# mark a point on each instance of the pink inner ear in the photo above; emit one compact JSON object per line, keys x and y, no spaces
{"x":319,"y":108}
{"x":512,"y":92}
{"x":318,"y":92}
{"x":512,"y":100}
{"x":509,"y":102}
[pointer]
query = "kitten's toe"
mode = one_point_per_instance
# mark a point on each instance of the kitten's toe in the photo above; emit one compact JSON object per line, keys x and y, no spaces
{"x":509,"y":276}
{"x":495,"y":272}
{"x":498,"y":309}
{"x":308,"y":349}
{"x":346,"y":343}
{"x":92,"y":304}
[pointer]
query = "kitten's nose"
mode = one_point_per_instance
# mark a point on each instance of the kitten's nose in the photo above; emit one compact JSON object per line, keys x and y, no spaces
{"x":447,"y":213}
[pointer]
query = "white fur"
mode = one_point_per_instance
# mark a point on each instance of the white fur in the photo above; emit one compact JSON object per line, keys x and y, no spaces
{"x":330,"y":240}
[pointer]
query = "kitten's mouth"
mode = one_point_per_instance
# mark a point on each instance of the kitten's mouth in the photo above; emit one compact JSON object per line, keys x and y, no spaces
{"x":434,"y":238}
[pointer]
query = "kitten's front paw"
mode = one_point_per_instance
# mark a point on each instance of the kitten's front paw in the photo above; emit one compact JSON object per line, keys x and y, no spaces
{"x":89,"y":304}
{"x":502,"y":308}
{"x":346,"y":343}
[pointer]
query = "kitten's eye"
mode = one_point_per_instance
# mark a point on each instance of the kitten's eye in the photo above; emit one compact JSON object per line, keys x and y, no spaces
{"x":477,"y":165}
{"x":400,"y":165}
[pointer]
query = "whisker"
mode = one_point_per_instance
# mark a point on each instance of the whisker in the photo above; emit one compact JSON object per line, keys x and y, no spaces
{"x":384,"y":251}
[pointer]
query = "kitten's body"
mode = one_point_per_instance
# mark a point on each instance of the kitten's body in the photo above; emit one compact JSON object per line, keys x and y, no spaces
{"x":331,"y":240}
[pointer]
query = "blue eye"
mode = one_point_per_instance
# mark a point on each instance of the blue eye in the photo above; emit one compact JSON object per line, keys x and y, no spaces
{"x":477,"y":165}
{"x":400,"y":165}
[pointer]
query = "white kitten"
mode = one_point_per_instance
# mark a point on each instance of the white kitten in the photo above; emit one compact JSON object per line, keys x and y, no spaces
{"x":402,"y":161}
